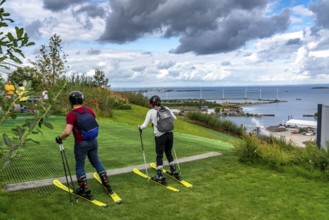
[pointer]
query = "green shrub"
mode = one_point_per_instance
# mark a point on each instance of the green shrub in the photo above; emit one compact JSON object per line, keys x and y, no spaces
{"x":281,"y":142}
{"x":248,"y":150}
{"x":101,"y":100}
{"x":312,"y":158}
{"x":213,"y":122}
{"x":274,"y":155}
{"x":231,"y":127}
{"x":136,"y":98}
{"x":254,"y":151}
{"x":277,"y":154}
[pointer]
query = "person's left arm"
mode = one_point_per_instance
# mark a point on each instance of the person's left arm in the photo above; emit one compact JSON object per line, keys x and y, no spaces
{"x":172,"y":114}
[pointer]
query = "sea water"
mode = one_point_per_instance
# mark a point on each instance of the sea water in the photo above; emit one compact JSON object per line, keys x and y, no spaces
{"x":300,"y":100}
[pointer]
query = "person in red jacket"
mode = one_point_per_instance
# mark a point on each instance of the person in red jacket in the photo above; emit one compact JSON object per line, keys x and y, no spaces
{"x":82,"y":147}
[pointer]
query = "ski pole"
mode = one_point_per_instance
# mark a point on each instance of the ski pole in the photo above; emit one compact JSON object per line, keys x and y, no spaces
{"x":140,"y":135}
{"x":176,"y":159}
{"x":67,"y":170}
{"x":61,"y":149}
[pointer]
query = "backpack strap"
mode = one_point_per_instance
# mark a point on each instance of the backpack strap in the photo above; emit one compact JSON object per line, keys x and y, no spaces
{"x":77,"y":114}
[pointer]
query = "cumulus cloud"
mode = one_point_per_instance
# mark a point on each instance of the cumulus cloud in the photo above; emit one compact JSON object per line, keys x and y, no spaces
{"x":33,"y":29}
{"x":89,"y":15}
{"x":313,"y":54}
{"x":147,"y":53}
{"x":92,"y":11}
{"x":315,"y":66}
{"x":320,"y":9}
{"x":163,"y":74}
{"x":232,"y":33}
{"x":59,"y":5}
{"x":139,"y":68}
{"x":293,"y":41}
{"x":93,"y":51}
{"x":166,"y":65}
{"x":226,"y":63}
{"x":252,"y":58}
{"x":212,"y":41}
{"x":203,"y":27}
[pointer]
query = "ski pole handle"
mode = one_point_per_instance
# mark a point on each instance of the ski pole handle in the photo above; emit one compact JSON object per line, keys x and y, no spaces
{"x":140,"y":135}
{"x":61,"y":147}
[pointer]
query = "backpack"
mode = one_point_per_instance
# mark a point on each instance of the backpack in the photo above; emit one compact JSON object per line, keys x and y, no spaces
{"x":87,"y":124}
{"x":165,"y":121}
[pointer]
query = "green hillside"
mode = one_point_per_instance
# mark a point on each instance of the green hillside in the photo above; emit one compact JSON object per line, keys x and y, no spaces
{"x":223,"y":187}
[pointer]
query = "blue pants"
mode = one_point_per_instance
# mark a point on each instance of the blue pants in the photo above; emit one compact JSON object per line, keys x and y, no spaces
{"x":83,"y":149}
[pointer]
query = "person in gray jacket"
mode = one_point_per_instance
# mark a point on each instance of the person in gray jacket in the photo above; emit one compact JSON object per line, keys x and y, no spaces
{"x":163,"y":141}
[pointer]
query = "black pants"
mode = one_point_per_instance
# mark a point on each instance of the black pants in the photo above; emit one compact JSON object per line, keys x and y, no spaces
{"x":164,"y":144}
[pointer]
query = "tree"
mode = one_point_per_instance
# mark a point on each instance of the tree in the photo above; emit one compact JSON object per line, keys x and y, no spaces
{"x":11,"y":44}
{"x":50,"y":64}
{"x":28,"y":74}
{"x":100,"y":79}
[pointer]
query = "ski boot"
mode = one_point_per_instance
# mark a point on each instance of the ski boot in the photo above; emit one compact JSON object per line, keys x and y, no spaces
{"x":83,"y":189}
{"x":105,"y":181}
{"x":173,"y":172}
{"x":158,"y":177}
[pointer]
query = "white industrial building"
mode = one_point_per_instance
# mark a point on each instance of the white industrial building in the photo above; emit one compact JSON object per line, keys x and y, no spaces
{"x":301,"y":123}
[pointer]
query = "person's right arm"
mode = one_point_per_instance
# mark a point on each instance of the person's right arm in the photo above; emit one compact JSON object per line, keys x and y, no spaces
{"x":146,"y":121}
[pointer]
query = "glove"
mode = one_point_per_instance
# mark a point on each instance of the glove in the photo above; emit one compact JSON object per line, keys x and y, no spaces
{"x":140,"y":130}
{"x":58,"y":140}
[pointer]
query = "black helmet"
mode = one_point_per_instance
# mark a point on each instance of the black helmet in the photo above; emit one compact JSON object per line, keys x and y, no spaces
{"x":155,"y":100}
{"x":76,"y":98}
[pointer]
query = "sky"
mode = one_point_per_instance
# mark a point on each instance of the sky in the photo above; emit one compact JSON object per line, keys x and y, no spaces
{"x":171,"y":43}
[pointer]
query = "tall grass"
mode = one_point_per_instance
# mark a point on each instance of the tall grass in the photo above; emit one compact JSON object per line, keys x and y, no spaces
{"x":279,"y":154}
{"x":101,"y":100}
{"x":213,"y":122}
{"x":136,"y":98}
{"x":248,"y":151}
{"x":312,"y":158}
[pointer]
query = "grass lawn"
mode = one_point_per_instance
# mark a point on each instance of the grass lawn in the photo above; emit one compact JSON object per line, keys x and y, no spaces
{"x":223,"y":187}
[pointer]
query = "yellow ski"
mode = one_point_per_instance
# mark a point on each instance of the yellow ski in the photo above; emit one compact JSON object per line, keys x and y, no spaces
{"x":114,"y":196}
{"x":138,"y":172}
{"x":65,"y":188}
{"x":183,"y":182}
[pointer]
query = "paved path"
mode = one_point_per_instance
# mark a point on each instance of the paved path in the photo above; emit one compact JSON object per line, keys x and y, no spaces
{"x":48,"y":182}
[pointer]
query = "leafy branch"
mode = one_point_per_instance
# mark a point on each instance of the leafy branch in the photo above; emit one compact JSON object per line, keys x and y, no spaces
{"x":22,"y":133}
{"x":11,"y":43}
